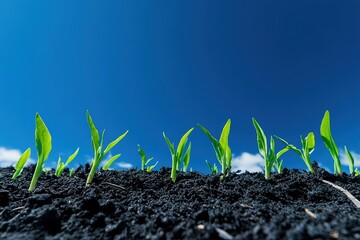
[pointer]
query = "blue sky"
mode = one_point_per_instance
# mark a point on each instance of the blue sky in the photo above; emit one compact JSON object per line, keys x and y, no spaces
{"x":154,"y":66}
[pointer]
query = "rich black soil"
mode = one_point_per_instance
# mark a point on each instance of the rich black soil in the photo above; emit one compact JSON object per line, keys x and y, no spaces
{"x":197,"y":206}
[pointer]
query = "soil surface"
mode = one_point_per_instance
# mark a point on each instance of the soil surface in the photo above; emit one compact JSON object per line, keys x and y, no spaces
{"x":197,"y":206}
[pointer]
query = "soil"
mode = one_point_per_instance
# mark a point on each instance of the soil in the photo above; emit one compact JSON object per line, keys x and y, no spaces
{"x":197,"y":206}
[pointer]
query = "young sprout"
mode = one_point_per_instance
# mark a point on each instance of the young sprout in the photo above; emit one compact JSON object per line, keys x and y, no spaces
{"x":43,"y":148}
{"x":110,"y":161}
{"x":72,"y":172}
{"x":178,"y":155}
{"x":186,"y":159}
{"x":352,"y":169}
{"x":214,"y":169}
{"x":221,"y":147}
{"x":269,"y":155}
{"x":144,"y":162}
{"x":278,"y":165}
{"x":97,"y":144}
{"x":61,"y":166}
{"x":326,"y":136}
{"x":308,"y":146}
{"x":21,"y":162}
{"x":351,"y":160}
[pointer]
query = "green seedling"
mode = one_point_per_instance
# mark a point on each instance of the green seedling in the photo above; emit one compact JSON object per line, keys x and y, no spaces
{"x":186,"y":159}
{"x":308,"y":146}
{"x":351,"y":160}
{"x":213,"y":169}
{"x":72,"y":172}
{"x":97,"y":145}
{"x":269,"y":155}
{"x":221,"y":148}
{"x":43,"y":148}
{"x":352,"y":169}
{"x":61,"y":165}
{"x":178,"y":156}
{"x":278,"y":165}
{"x":21,"y":162}
{"x":110,"y":161}
{"x":329,"y":142}
{"x":145,"y":162}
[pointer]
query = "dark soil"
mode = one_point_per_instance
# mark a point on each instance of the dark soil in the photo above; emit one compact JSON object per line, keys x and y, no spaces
{"x":197,"y":206}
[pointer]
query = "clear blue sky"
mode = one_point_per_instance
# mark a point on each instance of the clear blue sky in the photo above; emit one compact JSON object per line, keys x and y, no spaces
{"x":154,"y":66}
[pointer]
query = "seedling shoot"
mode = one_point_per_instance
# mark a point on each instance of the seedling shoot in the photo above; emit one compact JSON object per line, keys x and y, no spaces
{"x":43,"y":148}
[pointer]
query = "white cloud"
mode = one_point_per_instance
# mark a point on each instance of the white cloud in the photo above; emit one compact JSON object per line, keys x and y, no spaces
{"x":344,"y":159}
{"x":9,"y":157}
{"x":248,"y":162}
{"x":125,"y":165}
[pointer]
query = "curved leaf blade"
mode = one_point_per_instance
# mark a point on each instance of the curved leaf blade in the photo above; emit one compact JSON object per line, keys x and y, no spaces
{"x":23,"y":159}
{"x":42,"y":139}
{"x":95,"y":137}
{"x":111,"y":160}
{"x":182,"y":142}
{"x":113,"y":143}
{"x":224,"y":137}
{"x":261,"y":138}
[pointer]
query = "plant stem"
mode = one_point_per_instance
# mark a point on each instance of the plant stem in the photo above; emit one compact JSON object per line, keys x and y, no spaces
{"x":143,"y":165}
{"x":92,"y":173}
{"x":337,"y":165}
{"x":173,"y":168}
{"x":36,"y":175}
{"x":267,"y":173}
{"x":16,"y":174}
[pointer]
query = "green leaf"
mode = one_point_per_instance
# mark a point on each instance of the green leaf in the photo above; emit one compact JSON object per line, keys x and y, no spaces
{"x":281,"y":152}
{"x":141,"y":152}
{"x":209,"y":166}
{"x":292,"y":147}
{"x":143,"y":157}
{"x":71,"y":158}
{"x":149,"y":168}
{"x":43,"y":148}
{"x":261,"y":138}
{"x":325,"y":132}
{"x":113,"y":143}
{"x":111,"y":160}
{"x":271,"y":157}
{"x":42,"y":139}
{"x":282,"y":140}
{"x":21,"y":162}
{"x":279,"y":165}
{"x":58,"y":166}
{"x":23,"y":159}
{"x":182,"y":142}
{"x":228,"y":156}
{"x":214,"y":169}
{"x":187,"y":157}
{"x":148,"y":161}
{"x":102,"y":141}
{"x":95,"y":137}
{"x":350,"y":159}
{"x":216,"y":144}
{"x":72,"y":172}
{"x":170,"y":145}
{"x":310,"y":140}
{"x":224,"y":137}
